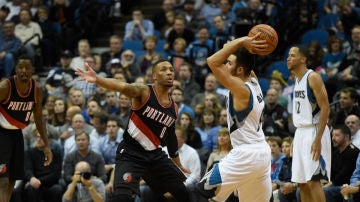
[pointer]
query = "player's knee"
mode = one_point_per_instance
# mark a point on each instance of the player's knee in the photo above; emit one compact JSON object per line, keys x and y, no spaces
{"x":4,"y":183}
{"x":123,"y":195}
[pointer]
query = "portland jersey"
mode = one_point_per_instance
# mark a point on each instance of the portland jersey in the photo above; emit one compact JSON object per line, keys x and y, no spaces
{"x":15,"y":111}
{"x":245,"y":126}
{"x":149,"y":124}
{"x":305,"y":109}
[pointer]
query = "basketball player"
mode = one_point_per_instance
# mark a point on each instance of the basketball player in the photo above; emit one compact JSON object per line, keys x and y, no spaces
{"x":312,"y":144}
{"x":20,"y":97}
{"x":247,"y":166}
{"x":151,"y":124}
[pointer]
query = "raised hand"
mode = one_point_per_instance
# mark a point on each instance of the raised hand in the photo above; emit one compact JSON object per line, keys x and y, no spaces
{"x":88,"y":76}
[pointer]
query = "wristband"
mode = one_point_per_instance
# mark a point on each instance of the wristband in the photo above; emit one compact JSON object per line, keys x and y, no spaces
{"x":91,"y":187}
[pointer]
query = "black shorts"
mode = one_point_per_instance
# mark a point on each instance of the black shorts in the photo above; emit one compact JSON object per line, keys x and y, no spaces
{"x":12,"y":153}
{"x":155,"y":167}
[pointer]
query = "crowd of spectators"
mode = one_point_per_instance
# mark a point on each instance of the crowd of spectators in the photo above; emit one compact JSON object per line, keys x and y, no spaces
{"x":85,"y":122}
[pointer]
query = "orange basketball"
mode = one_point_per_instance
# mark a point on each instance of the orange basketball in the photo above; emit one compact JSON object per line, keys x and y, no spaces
{"x":267,"y":33}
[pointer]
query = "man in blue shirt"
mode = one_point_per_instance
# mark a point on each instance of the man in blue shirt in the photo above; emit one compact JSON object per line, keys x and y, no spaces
{"x":9,"y":48}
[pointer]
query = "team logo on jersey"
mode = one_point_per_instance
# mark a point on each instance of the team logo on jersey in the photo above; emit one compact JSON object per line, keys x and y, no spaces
{"x":3,"y":169}
{"x":127,"y":177}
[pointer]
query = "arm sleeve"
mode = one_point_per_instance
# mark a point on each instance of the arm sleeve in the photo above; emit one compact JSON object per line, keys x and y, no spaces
{"x":172,"y":144}
{"x":356,"y":174}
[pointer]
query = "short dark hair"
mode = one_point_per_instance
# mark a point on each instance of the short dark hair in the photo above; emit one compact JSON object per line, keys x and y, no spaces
{"x":82,"y":132}
{"x":102,"y":115}
{"x":245,"y":59}
{"x":158,"y":62}
{"x":343,"y":128}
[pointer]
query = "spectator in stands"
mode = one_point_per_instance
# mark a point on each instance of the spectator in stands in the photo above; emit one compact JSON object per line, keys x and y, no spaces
{"x":343,"y":162}
{"x":138,"y":28}
{"x":190,"y":160}
{"x":88,"y":89}
{"x":99,"y":121}
{"x":84,"y":50}
{"x":278,"y":82}
{"x":9,"y":49}
{"x":53,"y":132}
{"x":189,"y":85}
{"x":115,"y":45}
{"x":124,"y":110}
{"x":170,"y":20}
{"x":332,"y":59}
{"x":14,"y":7}
{"x":78,"y":126}
{"x":210,"y":86}
{"x":211,"y":141}
{"x":93,"y":106}
{"x":145,"y":60}
{"x":28,"y":30}
{"x":348,"y":105}
{"x":207,"y":120}
{"x":352,"y":190}
{"x":112,"y":102}
{"x":220,"y":31}
{"x":315,"y":56}
{"x":50,"y":43}
{"x":355,"y":38}
{"x":178,"y":56}
{"x":350,"y":76}
{"x":107,"y":145}
{"x":210,"y":101}
{"x":350,"y":15}
{"x":130,"y":70}
{"x":4,"y":12}
{"x":194,"y":18}
{"x":177,"y":94}
{"x":41,"y":182}
{"x":66,"y":130}
{"x":353,"y":123}
{"x":186,"y":121}
{"x":84,"y":186}
{"x":84,"y":153}
{"x":179,"y":30}
{"x":276,"y":158}
{"x":210,"y":10}
{"x":222,"y":149}
{"x":226,"y":14}
{"x":251,"y":14}
{"x":60,"y":109}
{"x":197,"y":52}
{"x":49,"y":105}
{"x":60,"y":79}
{"x":287,"y":189}
{"x":62,"y":12}
{"x":159,"y":18}
{"x":275,"y":116}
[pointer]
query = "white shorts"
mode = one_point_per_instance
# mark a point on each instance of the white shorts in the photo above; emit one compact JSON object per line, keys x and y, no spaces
{"x":304,"y":168}
{"x":245,"y":169}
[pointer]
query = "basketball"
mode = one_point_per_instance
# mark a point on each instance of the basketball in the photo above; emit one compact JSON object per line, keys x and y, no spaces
{"x":267,"y":33}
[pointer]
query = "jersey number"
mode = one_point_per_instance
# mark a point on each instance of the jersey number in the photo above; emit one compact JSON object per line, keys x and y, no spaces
{"x":297,"y":107}
{"x":28,"y":115}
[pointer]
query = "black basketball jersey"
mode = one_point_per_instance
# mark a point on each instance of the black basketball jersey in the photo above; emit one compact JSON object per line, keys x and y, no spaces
{"x":149,"y":124}
{"x":15,"y":111}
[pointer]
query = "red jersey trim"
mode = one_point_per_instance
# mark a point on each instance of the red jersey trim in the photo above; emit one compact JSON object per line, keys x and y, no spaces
{"x":11,"y":120}
{"x":17,"y":89}
{"x":165,"y":106}
{"x":145,"y":129}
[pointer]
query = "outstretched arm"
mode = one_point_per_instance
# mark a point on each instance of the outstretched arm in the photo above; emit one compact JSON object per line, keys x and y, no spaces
{"x":130,"y":90}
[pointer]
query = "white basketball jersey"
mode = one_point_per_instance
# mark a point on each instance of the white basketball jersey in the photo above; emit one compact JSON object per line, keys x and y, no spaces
{"x":245,"y":126}
{"x":305,"y":109}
